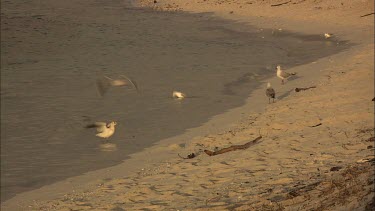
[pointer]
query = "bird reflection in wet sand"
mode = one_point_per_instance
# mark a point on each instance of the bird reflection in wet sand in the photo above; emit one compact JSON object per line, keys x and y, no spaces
{"x":105,"y":82}
{"x":107,"y":147}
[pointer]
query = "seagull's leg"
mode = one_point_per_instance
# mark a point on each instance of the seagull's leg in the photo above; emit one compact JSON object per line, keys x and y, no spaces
{"x":269,"y":101}
{"x":282,"y":81}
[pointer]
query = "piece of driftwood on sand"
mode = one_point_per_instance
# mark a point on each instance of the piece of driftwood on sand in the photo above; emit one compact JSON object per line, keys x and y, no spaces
{"x":234,"y":147}
{"x":317,"y":125}
{"x":275,"y":5}
{"x":303,"y":89}
{"x":372,"y":13}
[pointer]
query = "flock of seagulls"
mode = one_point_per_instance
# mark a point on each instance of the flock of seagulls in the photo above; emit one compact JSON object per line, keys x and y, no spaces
{"x":283,"y":75}
{"x":106,"y":130}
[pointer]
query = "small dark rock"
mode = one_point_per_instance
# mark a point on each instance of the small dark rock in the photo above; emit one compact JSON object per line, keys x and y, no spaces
{"x":372,"y":139}
{"x":335,"y":168}
{"x":192,"y":155}
{"x":277,"y":198}
{"x":155,"y":2}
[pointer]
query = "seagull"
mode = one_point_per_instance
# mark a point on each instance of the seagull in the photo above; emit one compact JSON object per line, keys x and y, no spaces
{"x":178,"y":95}
{"x":327,"y":35}
{"x":270,"y":93}
{"x":282,"y":74}
{"x":104,"y":130}
{"x":103,"y":84}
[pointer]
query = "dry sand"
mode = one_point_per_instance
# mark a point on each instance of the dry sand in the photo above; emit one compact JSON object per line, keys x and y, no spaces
{"x":313,"y":142}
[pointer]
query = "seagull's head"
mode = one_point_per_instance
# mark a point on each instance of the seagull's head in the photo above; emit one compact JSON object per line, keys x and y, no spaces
{"x":268,"y":85}
{"x":112,"y":124}
{"x":278,"y":67}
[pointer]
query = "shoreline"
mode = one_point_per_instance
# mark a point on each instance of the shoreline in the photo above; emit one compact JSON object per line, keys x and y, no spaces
{"x":240,"y":129}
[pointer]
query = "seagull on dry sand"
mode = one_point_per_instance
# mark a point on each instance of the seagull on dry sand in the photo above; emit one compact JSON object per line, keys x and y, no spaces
{"x":104,"y":130}
{"x":178,"y":95}
{"x":270,"y":93}
{"x":282,"y":74}
{"x":104,"y":83}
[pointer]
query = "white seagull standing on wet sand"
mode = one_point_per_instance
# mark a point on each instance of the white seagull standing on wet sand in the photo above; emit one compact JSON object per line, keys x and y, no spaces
{"x":178,"y":95}
{"x":282,"y":74}
{"x":104,"y":130}
{"x":270,"y":93}
{"x":104,"y":83}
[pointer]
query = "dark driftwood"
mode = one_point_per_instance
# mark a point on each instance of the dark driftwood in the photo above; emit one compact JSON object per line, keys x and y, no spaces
{"x":275,"y":5}
{"x":367,"y":15}
{"x":234,"y":147}
{"x":316,"y":125}
{"x":303,"y":89}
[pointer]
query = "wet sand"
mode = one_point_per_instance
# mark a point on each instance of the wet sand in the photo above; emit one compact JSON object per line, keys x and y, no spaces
{"x":312,"y":142}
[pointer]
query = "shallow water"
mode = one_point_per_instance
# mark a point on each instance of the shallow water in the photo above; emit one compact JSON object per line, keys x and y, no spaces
{"x":52,"y":52}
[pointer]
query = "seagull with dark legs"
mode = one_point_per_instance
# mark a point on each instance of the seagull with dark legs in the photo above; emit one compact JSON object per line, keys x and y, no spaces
{"x":270,"y":93}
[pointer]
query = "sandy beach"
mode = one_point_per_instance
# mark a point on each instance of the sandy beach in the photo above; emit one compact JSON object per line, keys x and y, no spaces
{"x":316,"y":150}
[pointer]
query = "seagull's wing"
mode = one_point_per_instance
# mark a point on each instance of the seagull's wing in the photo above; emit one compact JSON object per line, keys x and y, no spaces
{"x":102,"y":85}
{"x":100,"y":126}
{"x":285,"y":74}
{"x":108,"y":78}
{"x":131,"y":81}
